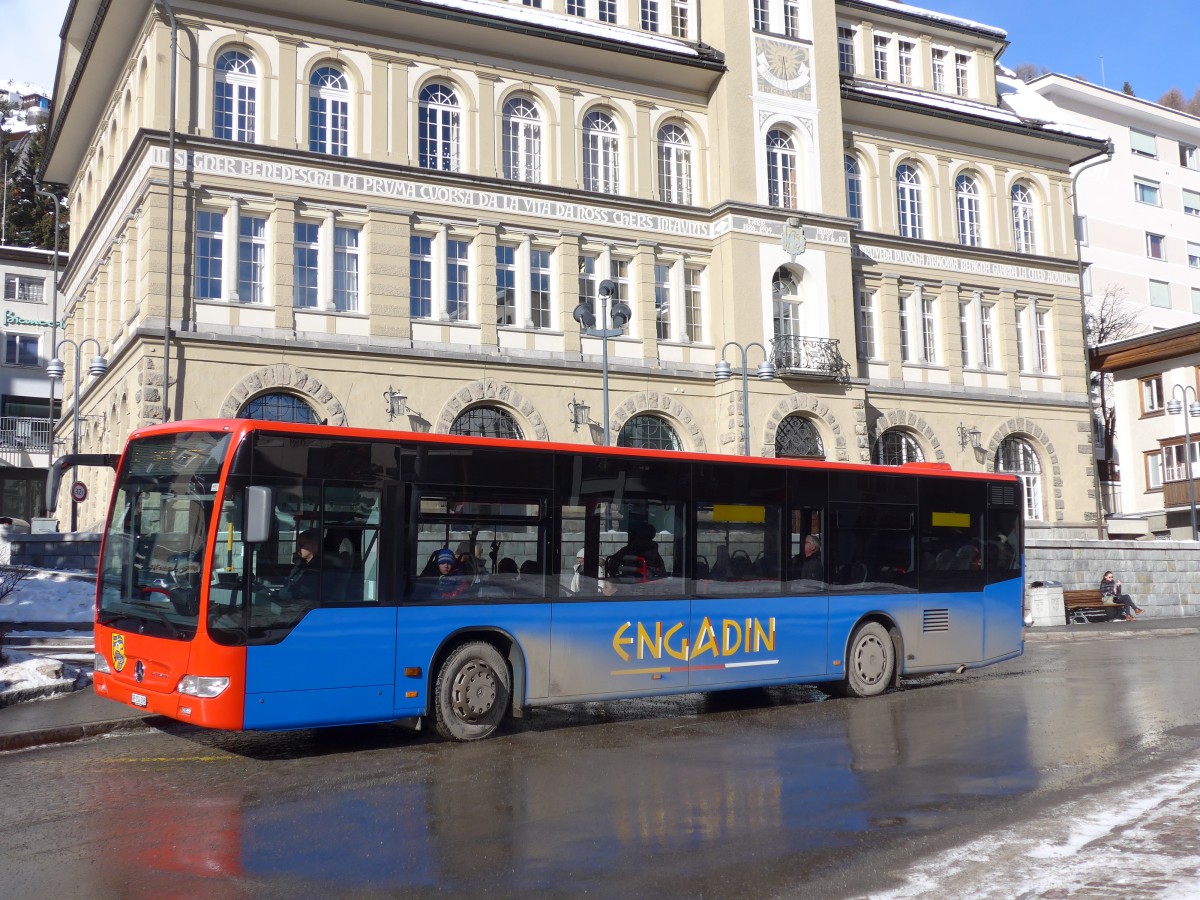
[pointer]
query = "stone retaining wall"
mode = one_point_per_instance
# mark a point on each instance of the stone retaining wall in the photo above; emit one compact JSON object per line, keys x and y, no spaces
{"x":71,"y":551}
{"x":1163,"y":577}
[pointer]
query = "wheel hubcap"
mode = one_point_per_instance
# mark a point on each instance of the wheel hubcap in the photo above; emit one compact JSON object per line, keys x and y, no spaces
{"x":870,"y":660}
{"x":474,"y":691}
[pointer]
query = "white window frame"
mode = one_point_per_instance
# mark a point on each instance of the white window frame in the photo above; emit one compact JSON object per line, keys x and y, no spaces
{"x":929,"y":341}
{"x":962,"y":74}
{"x":987,"y":337}
{"x":693,"y":304}
{"x":864,"y":311}
{"x":1191,"y":202}
{"x":674,"y":164}
{"x":910,"y":202}
{"x":23,"y":288}
{"x":521,"y":137}
{"x":1156,"y":246}
{"x":938,"y":60}
{"x":846,"y":63}
{"x":967,"y":204}
{"x":329,"y":112}
{"x":905,"y":53}
{"x":252,"y":259}
{"x":1189,"y":156}
{"x":782,"y":170}
{"x":347,"y":269}
{"x":601,"y":153}
{"x":1148,"y":192}
{"x":1024,"y":217}
{"x":1150,"y":391}
{"x":439,"y":128}
{"x":1163,"y":290}
{"x":881,"y":50}
{"x":235,"y":97}
{"x":1154,"y":470}
{"x":20,"y":340}
{"x":1143,"y":143}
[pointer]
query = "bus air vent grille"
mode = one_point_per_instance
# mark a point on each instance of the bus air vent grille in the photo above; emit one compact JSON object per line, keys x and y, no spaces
{"x":1002,"y":495}
{"x":937,"y":620}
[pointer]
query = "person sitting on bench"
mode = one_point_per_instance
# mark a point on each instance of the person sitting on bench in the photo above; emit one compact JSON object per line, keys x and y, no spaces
{"x":1109,"y":587}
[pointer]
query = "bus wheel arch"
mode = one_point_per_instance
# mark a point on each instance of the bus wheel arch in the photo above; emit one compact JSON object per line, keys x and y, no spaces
{"x":475,"y":678}
{"x":873,"y":658}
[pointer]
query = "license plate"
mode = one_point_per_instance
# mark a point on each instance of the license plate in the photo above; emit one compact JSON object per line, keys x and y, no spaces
{"x":138,"y":700}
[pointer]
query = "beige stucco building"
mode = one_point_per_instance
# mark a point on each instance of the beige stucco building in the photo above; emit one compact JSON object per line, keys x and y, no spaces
{"x":412,"y":198}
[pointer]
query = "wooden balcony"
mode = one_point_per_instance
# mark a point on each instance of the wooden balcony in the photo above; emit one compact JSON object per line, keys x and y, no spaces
{"x":1175,"y":493}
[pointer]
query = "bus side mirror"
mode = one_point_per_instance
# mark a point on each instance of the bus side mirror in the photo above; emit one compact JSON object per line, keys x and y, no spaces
{"x":260,"y":514}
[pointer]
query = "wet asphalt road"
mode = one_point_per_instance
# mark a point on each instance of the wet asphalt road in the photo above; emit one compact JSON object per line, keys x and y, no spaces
{"x":780,"y":792}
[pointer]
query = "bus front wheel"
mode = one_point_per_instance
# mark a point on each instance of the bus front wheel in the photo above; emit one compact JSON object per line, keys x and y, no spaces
{"x":472,"y":693}
{"x":870,"y":662}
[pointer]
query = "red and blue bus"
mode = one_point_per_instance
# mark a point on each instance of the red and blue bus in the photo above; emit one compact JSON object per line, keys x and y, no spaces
{"x":571,"y":574}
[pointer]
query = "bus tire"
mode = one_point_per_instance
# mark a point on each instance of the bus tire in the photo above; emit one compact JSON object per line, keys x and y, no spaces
{"x":472,"y":693}
{"x":870,"y":661}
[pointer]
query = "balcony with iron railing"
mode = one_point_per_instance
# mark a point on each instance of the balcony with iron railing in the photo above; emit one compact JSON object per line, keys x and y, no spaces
{"x":19,"y":433}
{"x":811,"y":356}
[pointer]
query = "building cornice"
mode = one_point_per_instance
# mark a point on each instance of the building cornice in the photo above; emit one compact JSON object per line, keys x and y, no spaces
{"x":1147,"y":349}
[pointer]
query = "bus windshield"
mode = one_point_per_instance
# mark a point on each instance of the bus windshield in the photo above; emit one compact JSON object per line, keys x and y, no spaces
{"x":150,"y":571}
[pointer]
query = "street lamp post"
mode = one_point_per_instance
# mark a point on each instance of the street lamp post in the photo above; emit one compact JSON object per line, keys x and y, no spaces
{"x":766,"y":372}
{"x":619,"y":314}
{"x":56,"y":369}
{"x":53,"y":315}
{"x":1175,"y":407}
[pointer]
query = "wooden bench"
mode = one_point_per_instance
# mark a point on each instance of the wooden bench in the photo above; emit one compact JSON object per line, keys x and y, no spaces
{"x":1086,"y":605}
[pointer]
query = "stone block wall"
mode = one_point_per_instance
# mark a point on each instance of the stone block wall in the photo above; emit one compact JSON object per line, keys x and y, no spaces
{"x":73,"y":551}
{"x":1163,"y":577}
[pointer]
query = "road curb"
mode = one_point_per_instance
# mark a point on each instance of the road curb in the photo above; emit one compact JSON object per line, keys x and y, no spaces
{"x":65,"y":734}
{"x":1105,"y":634}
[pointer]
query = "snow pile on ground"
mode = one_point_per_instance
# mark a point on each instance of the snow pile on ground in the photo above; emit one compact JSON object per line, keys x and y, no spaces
{"x":25,"y":677}
{"x":49,"y":596}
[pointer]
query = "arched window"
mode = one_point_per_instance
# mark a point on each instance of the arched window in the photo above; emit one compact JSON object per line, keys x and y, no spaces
{"x":674,"y":165}
{"x":909,"y":202}
{"x":966,"y":193}
{"x":1017,"y":457}
{"x":235,"y":93}
{"x":487,"y":421}
{"x":1024,"y":228}
{"x":798,"y":438}
{"x":895,"y":448}
{"x":785,"y":303}
{"x":781,"y":170}
{"x":522,"y":129}
{"x":854,"y":189}
{"x":279,"y":408}
{"x":329,"y":112}
{"x":438,"y":128}
{"x":648,"y":433}
{"x":601,"y":153}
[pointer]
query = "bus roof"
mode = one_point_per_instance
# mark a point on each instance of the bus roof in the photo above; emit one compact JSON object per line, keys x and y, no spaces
{"x":242,"y":427}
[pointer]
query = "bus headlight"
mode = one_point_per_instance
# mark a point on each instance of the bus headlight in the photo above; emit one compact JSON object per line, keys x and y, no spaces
{"x":100,"y":664}
{"x":202,"y":686}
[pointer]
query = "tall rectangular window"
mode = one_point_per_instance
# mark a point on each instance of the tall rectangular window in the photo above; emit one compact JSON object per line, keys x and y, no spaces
{"x":939,"y":71}
{"x":1041,"y":323}
{"x":1154,"y":471}
{"x":24,"y":288}
{"x":1160,"y":294}
{"x":866,"y":324}
{"x":662,"y":301}
{"x":987,"y":335}
{"x":881,"y":57}
{"x":576,"y":8}
{"x":1191,"y":202}
{"x":539,"y":288}
{"x":906,"y":62}
{"x":1193,"y":255}
{"x":962,"y":71}
{"x":305,"y":254}
{"x":345,"y":269}
{"x":1196,"y":300}
{"x":964,"y":332}
{"x":1156,"y":246}
{"x":791,"y":18}
{"x":207,"y":258}
{"x":681,"y":19}
{"x":1189,"y":156}
{"x":1142,"y":143}
{"x":1022,"y":343}
{"x":762,"y":15}
{"x":420,"y":276}
{"x":1152,"y":395}
{"x":458,"y":305}
{"x":506,"y":284}
{"x":928,"y":330}
{"x":252,"y":258}
{"x":906,"y":304}
{"x":693,"y":304}
{"x":607,"y":11}
{"x":845,"y":50}
{"x":587,"y":280}
{"x":649,"y":15}
{"x":22,"y":349}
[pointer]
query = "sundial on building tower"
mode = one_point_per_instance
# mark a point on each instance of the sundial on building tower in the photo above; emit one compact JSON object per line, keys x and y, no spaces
{"x":783,"y":68}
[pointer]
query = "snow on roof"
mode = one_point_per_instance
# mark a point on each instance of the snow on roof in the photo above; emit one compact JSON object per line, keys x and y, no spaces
{"x":569,"y":24}
{"x":13,"y":91}
{"x":1019,"y":105}
{"x":893,"y":6}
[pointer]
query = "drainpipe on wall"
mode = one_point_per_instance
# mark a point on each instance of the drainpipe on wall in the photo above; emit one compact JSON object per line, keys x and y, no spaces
{"x":166,"y":408}
{"x":1109,"y":150}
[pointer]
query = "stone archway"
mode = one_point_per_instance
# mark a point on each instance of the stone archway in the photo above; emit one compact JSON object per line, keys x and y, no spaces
{"x":487,"y":390}
{"x":898,"y":418}
{"x":283,"y":376}
{"x":1018,"y":426}
{"x":804,"y":403}
{"x":656,"y":402}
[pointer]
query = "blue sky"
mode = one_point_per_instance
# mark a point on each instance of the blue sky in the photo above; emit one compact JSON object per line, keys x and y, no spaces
{"x":1148,"y":46}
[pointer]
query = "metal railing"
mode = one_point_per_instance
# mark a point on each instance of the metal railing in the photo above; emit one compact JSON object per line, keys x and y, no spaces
{"x":21,"y":433}
{"x":818,"y":357}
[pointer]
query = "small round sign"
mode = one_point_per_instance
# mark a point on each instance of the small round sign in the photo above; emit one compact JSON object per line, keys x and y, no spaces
{"x":79,"y":492}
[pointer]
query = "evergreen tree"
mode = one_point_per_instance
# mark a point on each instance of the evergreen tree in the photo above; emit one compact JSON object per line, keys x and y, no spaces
{"x":31,"y":216}
{"x":1127,"y":90}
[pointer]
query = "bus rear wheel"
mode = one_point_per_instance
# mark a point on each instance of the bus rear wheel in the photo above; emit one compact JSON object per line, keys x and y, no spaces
{"x":472,"y":692}
{"x":870,"y":661}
